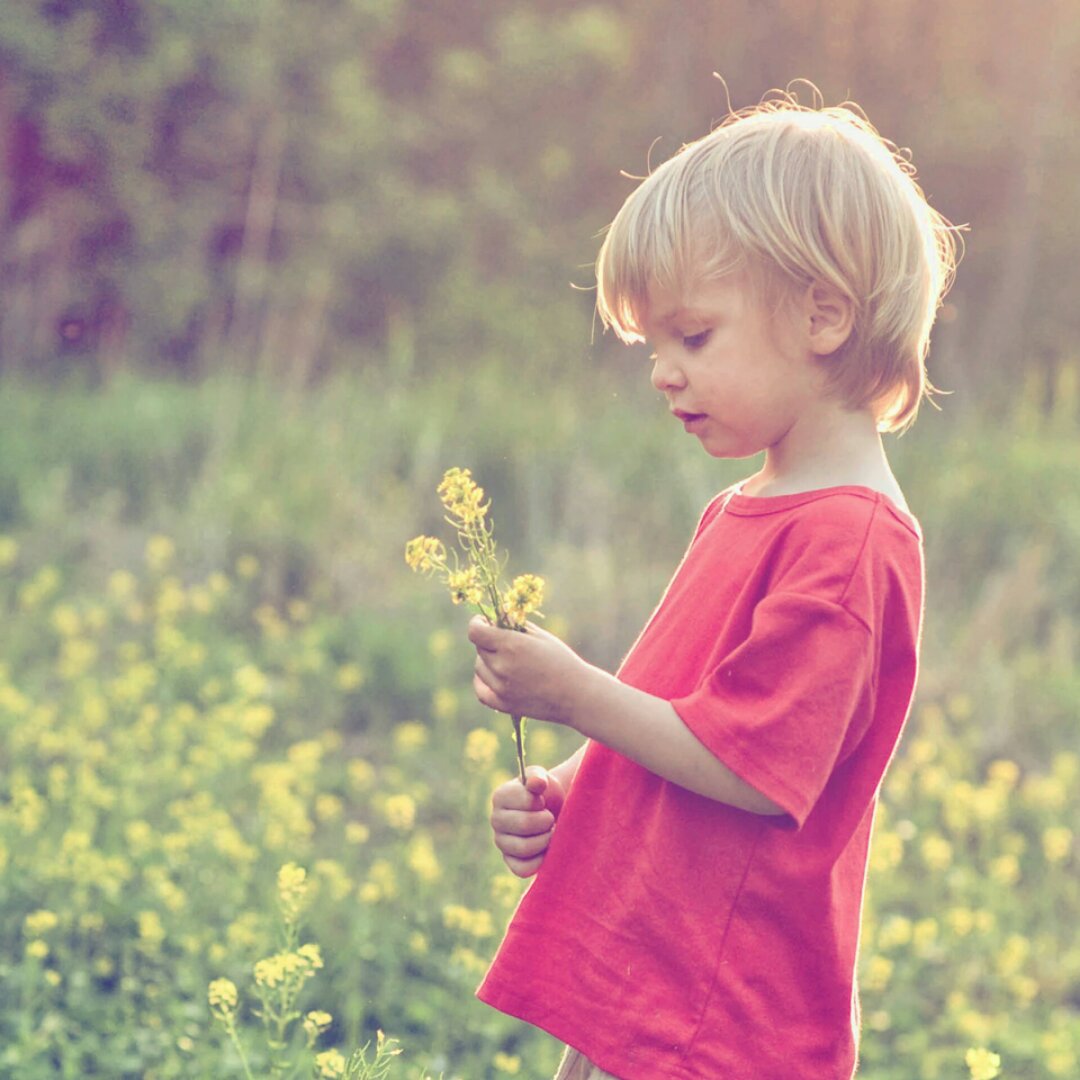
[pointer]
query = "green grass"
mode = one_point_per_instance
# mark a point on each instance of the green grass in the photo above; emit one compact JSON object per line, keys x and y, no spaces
{"x":278,"y":687}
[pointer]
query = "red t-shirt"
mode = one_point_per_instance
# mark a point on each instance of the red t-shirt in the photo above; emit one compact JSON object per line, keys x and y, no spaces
{"x":668,"y":936}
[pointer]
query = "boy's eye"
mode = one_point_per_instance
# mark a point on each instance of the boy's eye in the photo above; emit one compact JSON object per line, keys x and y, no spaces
{"x":695,"y":341}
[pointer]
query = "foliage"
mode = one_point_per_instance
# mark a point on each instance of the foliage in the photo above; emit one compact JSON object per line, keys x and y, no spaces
{"x":212,"y":679}
{"x":279,"y":981}
{"x":167,"y":746}
{"x":304,"y":187}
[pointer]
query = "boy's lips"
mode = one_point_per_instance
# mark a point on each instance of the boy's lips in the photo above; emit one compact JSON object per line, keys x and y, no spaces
{"x":689,"y":420}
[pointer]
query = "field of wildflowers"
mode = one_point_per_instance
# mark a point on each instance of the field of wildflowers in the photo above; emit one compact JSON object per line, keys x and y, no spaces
{"x":244,"y":795}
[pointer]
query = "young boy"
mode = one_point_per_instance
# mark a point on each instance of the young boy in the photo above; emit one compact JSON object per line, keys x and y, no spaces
{"x":696,"y":914}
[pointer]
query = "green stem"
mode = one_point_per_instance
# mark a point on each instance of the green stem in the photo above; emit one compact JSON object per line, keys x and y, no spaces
{"x":519,"y":743}
{"x":230,"y":1027}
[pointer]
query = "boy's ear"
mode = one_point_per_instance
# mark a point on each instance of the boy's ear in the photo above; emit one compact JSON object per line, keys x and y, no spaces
{"x":830,"y":318}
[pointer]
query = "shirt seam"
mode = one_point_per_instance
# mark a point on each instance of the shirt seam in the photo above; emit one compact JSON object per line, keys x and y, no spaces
{"x":722,"y":951}
{"x":858,"y":558}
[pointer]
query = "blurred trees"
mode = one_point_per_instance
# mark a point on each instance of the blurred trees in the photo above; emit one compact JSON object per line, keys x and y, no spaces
{"x":294,"y":186}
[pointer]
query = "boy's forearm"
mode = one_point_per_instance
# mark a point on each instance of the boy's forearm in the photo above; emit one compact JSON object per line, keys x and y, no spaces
{"x":648,"y":730}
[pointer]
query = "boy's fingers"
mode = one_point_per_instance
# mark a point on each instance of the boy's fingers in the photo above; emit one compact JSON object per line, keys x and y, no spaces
{"x":536,"y":780}
{"x":513,"y":797}
{"x":523,"y":868}
{"x":522,"y":822}
{"x":481,"y":633}
{"x":523,"y":847}
{"x":545,"y":791}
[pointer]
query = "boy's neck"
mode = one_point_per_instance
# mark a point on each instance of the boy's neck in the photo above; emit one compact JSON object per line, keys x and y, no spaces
{"x":836,"y":448}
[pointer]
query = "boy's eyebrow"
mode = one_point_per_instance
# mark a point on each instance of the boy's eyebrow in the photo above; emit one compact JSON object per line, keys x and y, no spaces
{"x":677,"y":313}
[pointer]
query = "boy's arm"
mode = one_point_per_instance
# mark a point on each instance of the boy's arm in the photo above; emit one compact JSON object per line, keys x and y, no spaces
{"x":537,"y":675}
{"x":648,"y":730}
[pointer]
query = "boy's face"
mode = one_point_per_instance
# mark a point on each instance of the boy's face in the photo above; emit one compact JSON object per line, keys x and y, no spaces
{"x":738,"y":376}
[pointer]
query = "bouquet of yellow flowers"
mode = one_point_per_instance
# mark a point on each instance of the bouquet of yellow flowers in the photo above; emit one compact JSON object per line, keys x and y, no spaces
{"x":477,"y":580}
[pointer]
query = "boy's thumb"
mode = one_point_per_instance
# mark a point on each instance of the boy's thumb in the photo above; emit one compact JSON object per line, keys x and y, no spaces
{"x":539,"y":781}
{"x":536,"y":780}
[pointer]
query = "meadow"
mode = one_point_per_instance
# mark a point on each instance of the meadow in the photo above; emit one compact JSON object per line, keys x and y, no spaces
{"x":215,"y":665}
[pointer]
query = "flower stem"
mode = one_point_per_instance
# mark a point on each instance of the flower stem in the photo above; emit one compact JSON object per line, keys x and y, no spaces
{"x":519,"y":743}
{"x":234,"y":1037}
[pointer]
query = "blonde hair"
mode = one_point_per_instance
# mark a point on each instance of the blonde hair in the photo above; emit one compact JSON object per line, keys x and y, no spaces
{"x":795,"y":195}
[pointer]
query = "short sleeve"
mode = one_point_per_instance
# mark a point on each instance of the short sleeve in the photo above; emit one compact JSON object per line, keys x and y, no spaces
{"x":780,"y":707}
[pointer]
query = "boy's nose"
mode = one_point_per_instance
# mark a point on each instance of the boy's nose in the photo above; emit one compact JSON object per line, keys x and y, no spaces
{"x":666,"y":375}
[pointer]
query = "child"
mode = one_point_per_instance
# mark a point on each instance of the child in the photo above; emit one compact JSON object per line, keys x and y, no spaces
{"x":696,"y":913}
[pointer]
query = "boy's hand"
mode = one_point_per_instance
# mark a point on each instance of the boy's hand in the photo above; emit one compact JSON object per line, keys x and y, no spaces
{"x":532,"y":674}
{"x":523,"y":819}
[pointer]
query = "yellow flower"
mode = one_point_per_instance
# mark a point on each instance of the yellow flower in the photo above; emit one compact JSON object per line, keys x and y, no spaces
{"x":66,"y":621}
{"x":247,"y":566}
{"x":478,"y":923}
{"x":525,"y":595}
{"x":315,"y":1023}
{"x":542,"y":739}
{"x":468,"y":960}
{"x":983,"y":1064}
{"x":356,"y":832}
{"x":400,"y":811}
{"x":250,"y":681}
{"x":464,"y":586}
{"x":37,"y":949}
{"x":961,"y":920}
{"x":311,"y":954}
{"x":331,"y":1064}
{"x":461,"y":496}
{"x":444,"y":703}
{"x":40,"y":922}
{"x":425,"y":553}
{"x":223,"y":998}
{"x":284,"y":966}
{"x":960,"y":706}
{"x":299,"y":610}
{"x":151,"y":932}
{"x":1013,"y":955}
{"x":361,"y":773}
{"x":924,"y":934}
{"x":937,"y":852}
{"x":1045,"y":792}
{"x":328,"y":807}
{"x":410,"y":735}
{"x":481,"y":746}
{"x":270,"y":970}
{"x":1024,"y":988}
{"x":895,"y":932}
{"x":1066,"y":766}
{"x":349,"y":677}
{"x":886,"y":851}
{"x":505,"y":889}
{"x":9,"y":551}
{"x":159,"y":552}
{"x":507,"y":1063}
{"x":333,"y":876}
{"x":292,"y":888}
{"x":1057,"y":842}
{"x":878,"y":973}
{"x":1005,"y":869}
{"x":381,"y":882}
{"x":1003,"y":773}
{"x":421,"y":857}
